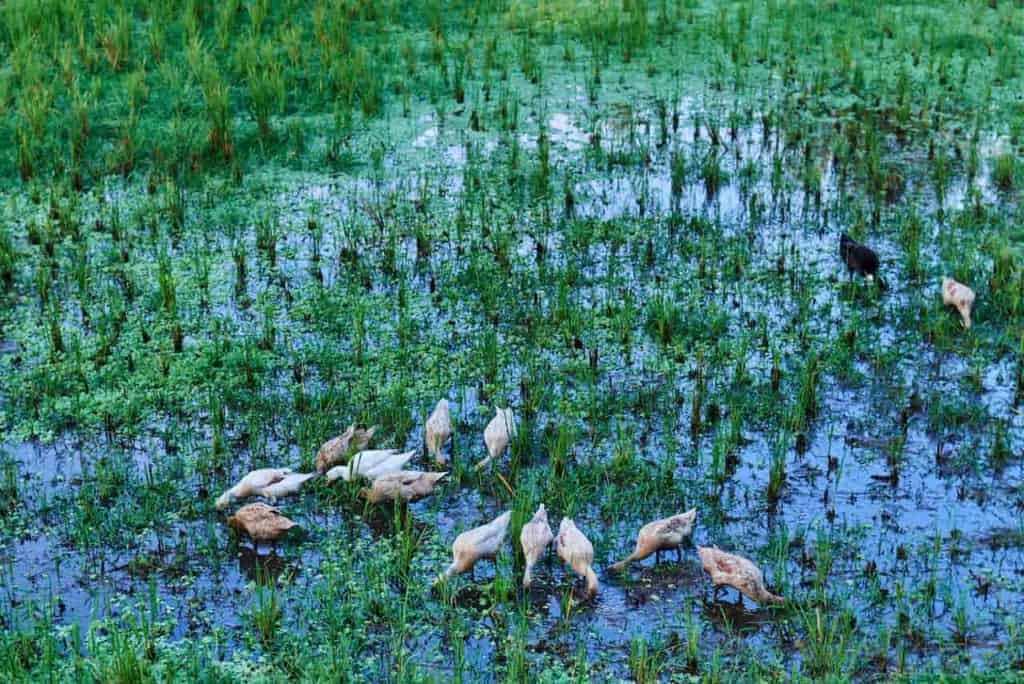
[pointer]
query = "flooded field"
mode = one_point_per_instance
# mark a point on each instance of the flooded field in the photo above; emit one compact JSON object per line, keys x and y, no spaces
{"x":230,"y":231}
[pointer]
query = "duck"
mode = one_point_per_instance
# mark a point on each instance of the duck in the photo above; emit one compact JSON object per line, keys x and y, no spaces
{"x":251,"y":485}
{"x":371,"y":464}
{"x":577,"y":552}
{"x":475,"y":544}
{"x":859,"y":258}
{"x":404,"y":486}
{"x":287,"y":486}
{"x":728,"y":569}
{"x":497,"y":434}
{"x":960,"y":296}
{"x":535,"y":537}
{"x":437,"y":430}
{"x":660,"y":535}
{"x":337,"y":449}
{"x":261,"y":523}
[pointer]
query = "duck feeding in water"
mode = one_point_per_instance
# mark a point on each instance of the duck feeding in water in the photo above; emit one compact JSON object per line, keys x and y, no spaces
{"x":476,"y":544}
{"x":335,"y":450}
{"x":728,"y":569}
{"x":497,"y":434}
{"x":437,"y":430}
{"x":535,"y":537}
{"x":658,"y":536}
{"x":287,"y":486}
{"x":859,"y":259}
{"x":252,"y":485}
{"x":960,"y":296}
{"x":261,"y":523}
{"x":577,"y":552}
{"x":404,"y":486}
{"x":371,"y":464}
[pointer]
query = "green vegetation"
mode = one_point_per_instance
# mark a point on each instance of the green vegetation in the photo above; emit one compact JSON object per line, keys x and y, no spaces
{"x":229,"y":230}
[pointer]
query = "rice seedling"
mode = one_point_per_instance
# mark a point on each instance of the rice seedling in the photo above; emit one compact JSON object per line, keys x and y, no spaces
{"x":1004,"y":171}
{"x":777,"y":468}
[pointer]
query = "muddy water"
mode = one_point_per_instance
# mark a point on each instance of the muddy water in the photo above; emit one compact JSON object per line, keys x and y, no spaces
{"x":945,"y":517}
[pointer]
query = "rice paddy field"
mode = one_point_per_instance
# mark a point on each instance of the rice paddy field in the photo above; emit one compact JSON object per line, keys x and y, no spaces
{"x":229,"y":230}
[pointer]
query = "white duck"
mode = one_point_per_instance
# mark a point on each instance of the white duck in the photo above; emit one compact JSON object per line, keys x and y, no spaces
{"x":371,"y":464}
{"x":535,"y":537}
{"x":497,"y":434}
{"x":291,"y":484}
{"x":438,"y":429}
{"x":252,"y":484}
{"x":479,"y":542}
{"x":577,"y":552}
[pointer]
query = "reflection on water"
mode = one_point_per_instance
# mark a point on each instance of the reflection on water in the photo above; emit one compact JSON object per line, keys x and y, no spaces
{"x":264,"y":568}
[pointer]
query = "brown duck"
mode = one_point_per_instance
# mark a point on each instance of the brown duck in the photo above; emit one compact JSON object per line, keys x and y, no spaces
{"x":261,"y":523}
{"x":405,"y":486}
{"x":336,"y":450}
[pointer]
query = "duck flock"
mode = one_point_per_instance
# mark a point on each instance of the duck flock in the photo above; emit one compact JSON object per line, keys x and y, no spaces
{"x":385,"y":470}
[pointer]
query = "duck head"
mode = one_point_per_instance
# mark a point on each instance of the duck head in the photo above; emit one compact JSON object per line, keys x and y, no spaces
{"x":339,"y":473}
{"x":224,"y":500}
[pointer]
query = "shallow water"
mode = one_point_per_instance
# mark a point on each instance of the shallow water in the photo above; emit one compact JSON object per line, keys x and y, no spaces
{"x":957,"y":519}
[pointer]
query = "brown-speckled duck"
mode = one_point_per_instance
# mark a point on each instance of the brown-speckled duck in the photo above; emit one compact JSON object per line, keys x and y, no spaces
{"x":960,"y":296}
{"x":337,"y":450}
{"x":727,"y":569}
{"x":405,"y":486}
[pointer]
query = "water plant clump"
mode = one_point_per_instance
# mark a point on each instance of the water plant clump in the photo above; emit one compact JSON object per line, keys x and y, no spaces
{"x":303,"y":304}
